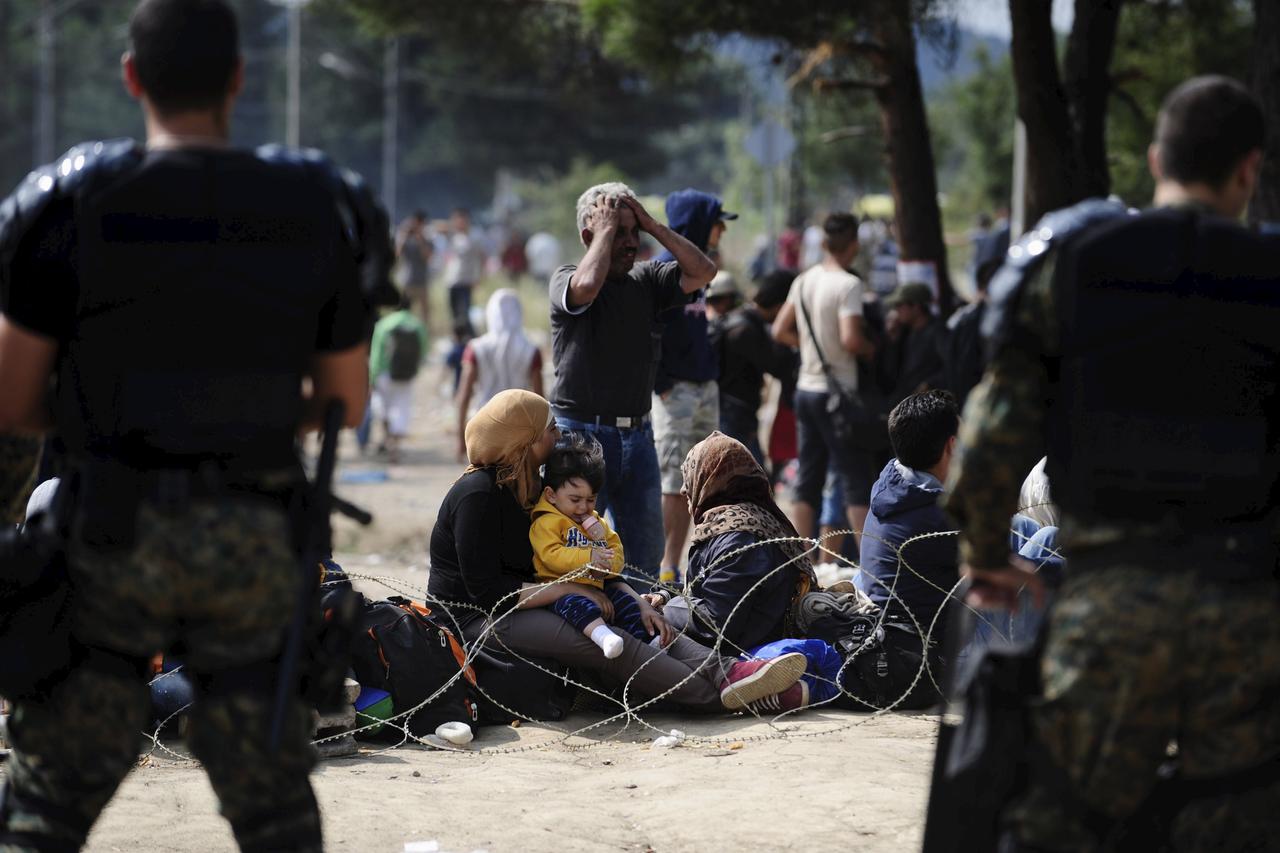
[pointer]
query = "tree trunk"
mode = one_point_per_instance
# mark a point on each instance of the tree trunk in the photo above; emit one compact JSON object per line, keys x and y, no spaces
{"x":9,"y":135}
{"x":1086,"y":69}
{"x":1052,"y":163}
{"x":908,"y":149}
{"x":1264,"y":77}
{"x":798,"y":200}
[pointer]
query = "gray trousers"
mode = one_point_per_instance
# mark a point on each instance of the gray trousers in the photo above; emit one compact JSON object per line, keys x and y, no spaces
{"x":539,"y":632}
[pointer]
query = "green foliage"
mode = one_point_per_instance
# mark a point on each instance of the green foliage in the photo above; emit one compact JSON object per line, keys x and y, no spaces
{"x":1159,"y":45}
{"x":839,"y":150}
{"x":839,"y":154}
{"x":549,"y":201}
{"x":843,"y":136}
{"x":485,"y":85}
{"x":90,"y":40}
{"x":972,"y":123}
{"x":667,"y":31}
{"x":91,"y":102}
{"x":540,"y":93}
{"x":90,"y":44}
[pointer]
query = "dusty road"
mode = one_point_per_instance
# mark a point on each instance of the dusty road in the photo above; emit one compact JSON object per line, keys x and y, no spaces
{"x":819,"y":781}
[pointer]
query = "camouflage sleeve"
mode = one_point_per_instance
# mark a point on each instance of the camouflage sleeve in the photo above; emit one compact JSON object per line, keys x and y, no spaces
{"x":19,"y":460}
{"x":1002,"y":432}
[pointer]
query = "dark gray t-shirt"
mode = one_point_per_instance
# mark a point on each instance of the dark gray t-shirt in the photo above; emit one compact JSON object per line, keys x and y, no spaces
{"x":606,"y":352}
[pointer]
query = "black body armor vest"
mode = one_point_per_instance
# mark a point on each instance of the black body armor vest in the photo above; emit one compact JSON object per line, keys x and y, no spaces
{"x":1166,"y":409}
{"x":202,"y":277}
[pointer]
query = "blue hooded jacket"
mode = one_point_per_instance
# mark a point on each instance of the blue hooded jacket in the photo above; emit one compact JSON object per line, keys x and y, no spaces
{"x":686,"y":351}
{"x":904,"y":504}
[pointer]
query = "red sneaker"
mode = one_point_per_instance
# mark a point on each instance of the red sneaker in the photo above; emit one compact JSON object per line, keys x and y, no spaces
{"x":755,"y":679}
{"x":793,"y":698}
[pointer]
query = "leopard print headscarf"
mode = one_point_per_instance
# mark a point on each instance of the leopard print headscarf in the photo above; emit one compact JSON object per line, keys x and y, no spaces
{"x":728,"y":492}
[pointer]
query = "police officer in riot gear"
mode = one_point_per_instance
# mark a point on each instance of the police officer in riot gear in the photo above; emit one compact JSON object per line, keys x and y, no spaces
{"x":180,"y":295}
{"x":1144,"y":351}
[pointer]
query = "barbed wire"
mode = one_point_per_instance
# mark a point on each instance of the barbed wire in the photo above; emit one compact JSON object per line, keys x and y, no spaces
{"x":628,"y":703}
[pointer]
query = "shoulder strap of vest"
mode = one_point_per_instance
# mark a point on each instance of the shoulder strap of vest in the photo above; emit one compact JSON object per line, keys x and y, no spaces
{"x":81,"y":167}
{"x":364,"y":221}
{"x":1026,"y":256}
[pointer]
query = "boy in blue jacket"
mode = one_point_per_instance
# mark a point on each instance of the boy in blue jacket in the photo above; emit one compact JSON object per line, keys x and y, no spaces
{"x":904,"y":505}
{"x":909,"y":577}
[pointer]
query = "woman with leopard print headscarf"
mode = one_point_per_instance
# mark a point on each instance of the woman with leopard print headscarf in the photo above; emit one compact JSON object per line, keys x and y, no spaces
{"x":747,"y":564}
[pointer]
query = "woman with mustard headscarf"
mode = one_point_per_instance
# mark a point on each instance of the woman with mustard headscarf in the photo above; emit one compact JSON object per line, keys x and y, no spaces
{"x":481,"y":559}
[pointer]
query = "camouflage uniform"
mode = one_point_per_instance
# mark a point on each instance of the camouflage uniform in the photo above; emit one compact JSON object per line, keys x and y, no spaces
{"x":19,"y":459}
{"x":212,"y":581}
{"x":1138,"y":657}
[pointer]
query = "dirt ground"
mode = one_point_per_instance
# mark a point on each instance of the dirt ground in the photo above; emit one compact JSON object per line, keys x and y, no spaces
{"x":818,"y":781}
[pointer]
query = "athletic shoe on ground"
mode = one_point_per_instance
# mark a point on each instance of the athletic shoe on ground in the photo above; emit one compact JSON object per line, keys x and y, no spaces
{"x":750,"y":680}
{"x":793,"y":698}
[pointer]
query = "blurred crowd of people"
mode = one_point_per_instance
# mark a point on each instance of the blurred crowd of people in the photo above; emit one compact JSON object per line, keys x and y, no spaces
{"x":829,"y":319}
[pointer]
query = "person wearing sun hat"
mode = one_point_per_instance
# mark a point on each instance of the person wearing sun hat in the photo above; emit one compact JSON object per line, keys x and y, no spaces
{"x":912,"y":360}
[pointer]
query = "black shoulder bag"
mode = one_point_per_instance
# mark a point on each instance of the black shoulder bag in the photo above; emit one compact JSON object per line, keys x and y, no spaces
{"x":864,"y":426}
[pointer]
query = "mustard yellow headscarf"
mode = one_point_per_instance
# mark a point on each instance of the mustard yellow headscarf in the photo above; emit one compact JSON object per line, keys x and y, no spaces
{"x":501,"y":434}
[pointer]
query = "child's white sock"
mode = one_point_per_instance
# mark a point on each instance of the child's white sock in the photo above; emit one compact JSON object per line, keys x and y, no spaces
{"x":609,"y":642}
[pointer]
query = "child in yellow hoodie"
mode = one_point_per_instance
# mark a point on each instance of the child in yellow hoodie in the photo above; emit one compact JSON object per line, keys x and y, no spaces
{"x":571,"y":542}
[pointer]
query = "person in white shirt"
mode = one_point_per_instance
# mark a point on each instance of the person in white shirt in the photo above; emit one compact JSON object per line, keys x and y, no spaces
{"x":832,"y":297}
{"x":503,"y":357}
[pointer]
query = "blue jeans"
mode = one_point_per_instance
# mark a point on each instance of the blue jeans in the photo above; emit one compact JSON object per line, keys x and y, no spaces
{"x":632,"y":493}
{"x":1002,"y":627}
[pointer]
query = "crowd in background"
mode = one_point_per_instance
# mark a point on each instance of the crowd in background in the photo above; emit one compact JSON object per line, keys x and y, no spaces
{"x":832,"y":373}
{"x":725,"y":360}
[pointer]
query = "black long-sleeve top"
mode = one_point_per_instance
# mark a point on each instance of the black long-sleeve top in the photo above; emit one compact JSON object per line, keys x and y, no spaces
{"x":747,"y":352}
{"x":480,"y":551}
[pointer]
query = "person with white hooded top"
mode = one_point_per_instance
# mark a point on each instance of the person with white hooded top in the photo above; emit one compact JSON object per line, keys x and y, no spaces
{"x":503,"y":357}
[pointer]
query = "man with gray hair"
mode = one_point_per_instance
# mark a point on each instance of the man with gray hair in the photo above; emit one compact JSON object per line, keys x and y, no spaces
{"x":605,"y":340}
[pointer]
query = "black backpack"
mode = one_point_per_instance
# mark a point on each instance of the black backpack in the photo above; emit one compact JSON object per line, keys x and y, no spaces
{"x":883,"y":661}
{"x":401,"y":648}
{"x":406,"y":353}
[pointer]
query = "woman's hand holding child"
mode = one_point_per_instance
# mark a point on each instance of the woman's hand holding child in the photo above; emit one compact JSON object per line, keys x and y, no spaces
{"x":655,"y":623}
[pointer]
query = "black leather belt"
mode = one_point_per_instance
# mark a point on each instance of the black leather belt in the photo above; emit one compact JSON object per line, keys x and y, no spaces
{"x":633,"y":422}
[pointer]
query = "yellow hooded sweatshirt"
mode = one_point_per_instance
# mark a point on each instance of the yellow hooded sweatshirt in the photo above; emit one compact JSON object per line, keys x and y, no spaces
{"x":561,"y":546}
